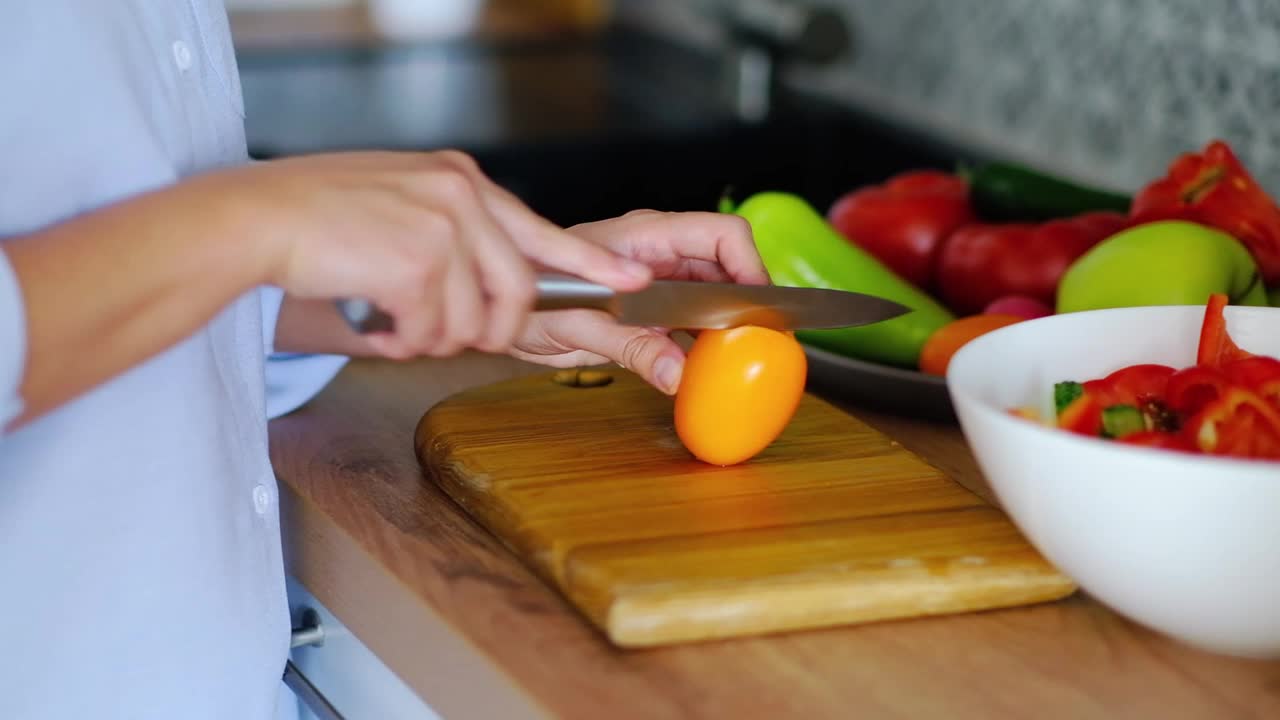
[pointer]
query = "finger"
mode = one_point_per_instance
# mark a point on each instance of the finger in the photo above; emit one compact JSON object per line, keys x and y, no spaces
{"x":390,"y":345}
{"x":508,"y":283}
{"x":463,"y":305}
{"x":425,"y":248}
{"x":686,"y":241}
{"x":497,"y":270}
{"x":651,"y":354}
{"x":701,"y":270}
{"x":577,"y":358}
{"x":556,"y":249}
{"x":724,"y":239}
{"x":548,"y":245}
{"x":417,"y":327}
{"x":420,"y":321}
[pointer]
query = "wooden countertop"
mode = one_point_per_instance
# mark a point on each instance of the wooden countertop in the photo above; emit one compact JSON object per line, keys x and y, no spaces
{"x":478,"y":636}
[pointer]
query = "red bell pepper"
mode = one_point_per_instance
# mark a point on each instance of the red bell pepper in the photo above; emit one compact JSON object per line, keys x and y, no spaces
{"x":903,"y":222}
{"x":1141,"y":386}
{"x":1239,"y":423}
{"x":1213,"y":188}
{"x":1082,"y":415}
{"x":982,"y":262}
{"x":1133,"y":385}
{"x":1216,"y":346}
{"x":1159,"y":439}
{"x":1228,"y":403}
{"x":1259,"y":373}
{"x":1191,"y":388}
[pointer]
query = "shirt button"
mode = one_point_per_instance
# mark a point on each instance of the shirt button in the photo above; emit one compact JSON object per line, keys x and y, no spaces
{"x":181,"y":55}
{"x":261,"y":499}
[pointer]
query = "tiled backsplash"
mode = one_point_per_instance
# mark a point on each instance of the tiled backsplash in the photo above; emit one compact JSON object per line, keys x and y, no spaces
{"x":1102,"y":90}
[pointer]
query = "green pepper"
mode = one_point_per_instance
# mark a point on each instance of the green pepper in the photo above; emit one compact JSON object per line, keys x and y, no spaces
{"x":800,"y":248}
{"x":1000,"y":192}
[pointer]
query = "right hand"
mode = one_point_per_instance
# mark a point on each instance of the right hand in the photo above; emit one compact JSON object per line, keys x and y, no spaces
{"x":424,"y":236}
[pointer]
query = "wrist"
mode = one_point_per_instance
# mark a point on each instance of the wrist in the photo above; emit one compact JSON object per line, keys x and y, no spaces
{"x":240,"y":231}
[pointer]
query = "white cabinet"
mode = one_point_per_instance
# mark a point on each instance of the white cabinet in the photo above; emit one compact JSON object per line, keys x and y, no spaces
{"x":344,"y":674}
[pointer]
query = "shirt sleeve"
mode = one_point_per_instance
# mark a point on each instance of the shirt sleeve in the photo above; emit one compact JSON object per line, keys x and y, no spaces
{"x":291,"y":378}
{"x":13,"y":342}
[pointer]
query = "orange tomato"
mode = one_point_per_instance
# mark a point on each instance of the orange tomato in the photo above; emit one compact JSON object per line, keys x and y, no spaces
{"x":739,"y":389}
{"x":937,"y":350}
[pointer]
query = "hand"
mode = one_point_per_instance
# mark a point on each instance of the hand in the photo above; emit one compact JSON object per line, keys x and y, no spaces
{"x":424,"y":236}
{"x":710,"y":247}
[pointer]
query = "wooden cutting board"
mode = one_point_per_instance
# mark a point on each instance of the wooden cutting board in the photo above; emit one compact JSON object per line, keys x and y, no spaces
{"x":832,"y":524}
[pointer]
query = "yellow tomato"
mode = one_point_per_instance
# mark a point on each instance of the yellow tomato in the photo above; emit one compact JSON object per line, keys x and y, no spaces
{"x":739,"y":390}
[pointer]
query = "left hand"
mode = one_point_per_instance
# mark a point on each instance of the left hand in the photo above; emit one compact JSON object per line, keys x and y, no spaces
{"x":704,"y":246}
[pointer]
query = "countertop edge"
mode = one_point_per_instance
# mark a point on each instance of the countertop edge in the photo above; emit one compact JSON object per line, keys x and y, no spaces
{"x":455,"y":678}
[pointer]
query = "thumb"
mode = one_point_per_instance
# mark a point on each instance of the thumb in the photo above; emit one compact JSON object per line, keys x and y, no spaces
{"x":647,"y":352}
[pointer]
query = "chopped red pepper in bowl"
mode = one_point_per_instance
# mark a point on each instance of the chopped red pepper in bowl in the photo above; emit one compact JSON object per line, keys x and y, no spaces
{"x":1228,"y":403}
{"x":1150,"y":478}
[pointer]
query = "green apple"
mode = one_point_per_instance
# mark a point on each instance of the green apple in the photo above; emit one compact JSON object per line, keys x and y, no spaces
{"x":1170,"y":262}
{"x":1273,"y":296}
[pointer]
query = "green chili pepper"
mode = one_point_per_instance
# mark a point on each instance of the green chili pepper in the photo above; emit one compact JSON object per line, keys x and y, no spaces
{"x":1002,"y":192}
{"x":801,"y":249}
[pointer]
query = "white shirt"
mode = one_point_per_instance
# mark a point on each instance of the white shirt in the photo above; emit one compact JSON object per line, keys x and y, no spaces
{"x":140,"y":564}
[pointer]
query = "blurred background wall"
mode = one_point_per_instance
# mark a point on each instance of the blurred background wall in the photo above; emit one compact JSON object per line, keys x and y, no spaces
{"x":1108,"y":91}
{"x":1104,"y":90}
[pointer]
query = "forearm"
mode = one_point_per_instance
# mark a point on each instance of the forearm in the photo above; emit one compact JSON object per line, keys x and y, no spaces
{"x":107,"y":290}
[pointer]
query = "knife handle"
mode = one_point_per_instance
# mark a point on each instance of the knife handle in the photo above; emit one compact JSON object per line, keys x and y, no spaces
{"x":555,"y":292}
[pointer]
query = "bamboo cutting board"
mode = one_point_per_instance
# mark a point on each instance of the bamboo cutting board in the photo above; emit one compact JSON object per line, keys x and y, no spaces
{"x":832,"y":524}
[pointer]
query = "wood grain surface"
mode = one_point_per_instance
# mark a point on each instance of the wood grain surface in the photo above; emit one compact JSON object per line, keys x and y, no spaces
{"x":478,"y":635}
{"x":833,"y":523}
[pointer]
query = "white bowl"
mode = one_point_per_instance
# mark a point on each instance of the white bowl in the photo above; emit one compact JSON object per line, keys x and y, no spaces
{"x":1186,"y":545}
{"x":423,"y":19}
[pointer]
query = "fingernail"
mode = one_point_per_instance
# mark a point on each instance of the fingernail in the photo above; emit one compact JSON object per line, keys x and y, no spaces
{"x":667,"y":372}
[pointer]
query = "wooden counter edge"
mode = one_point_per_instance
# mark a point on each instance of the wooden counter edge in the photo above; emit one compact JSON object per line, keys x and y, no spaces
{"x":440,"y":665}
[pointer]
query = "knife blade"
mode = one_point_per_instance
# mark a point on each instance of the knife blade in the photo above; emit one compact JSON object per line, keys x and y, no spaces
{"x":686,"y":305}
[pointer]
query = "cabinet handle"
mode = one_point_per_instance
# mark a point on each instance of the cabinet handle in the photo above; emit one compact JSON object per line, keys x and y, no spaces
{"x":310,"y":633}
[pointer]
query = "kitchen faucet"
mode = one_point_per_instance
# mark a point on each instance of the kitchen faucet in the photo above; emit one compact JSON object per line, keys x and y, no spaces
{"x":763,"y":35}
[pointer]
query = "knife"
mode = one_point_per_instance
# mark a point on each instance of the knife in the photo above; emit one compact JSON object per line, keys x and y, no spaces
{"x":686,"y":305}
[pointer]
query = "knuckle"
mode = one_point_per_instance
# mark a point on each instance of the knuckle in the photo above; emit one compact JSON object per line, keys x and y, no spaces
{"x":469,"y":335}
{"x":427,"y":342}
{"x":736,"y":225}
{"x":413,"y":283}
{"x":643,"y":213}
{"x":492,"y":345}
{"x":457,"y":159}
{"x":445,"y":350}
{"x":636,"y":350}
{"x":399,"y":350}
{"x":451,"y":185}
{"x":435,"y":225}
{"x":522,"y":290}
